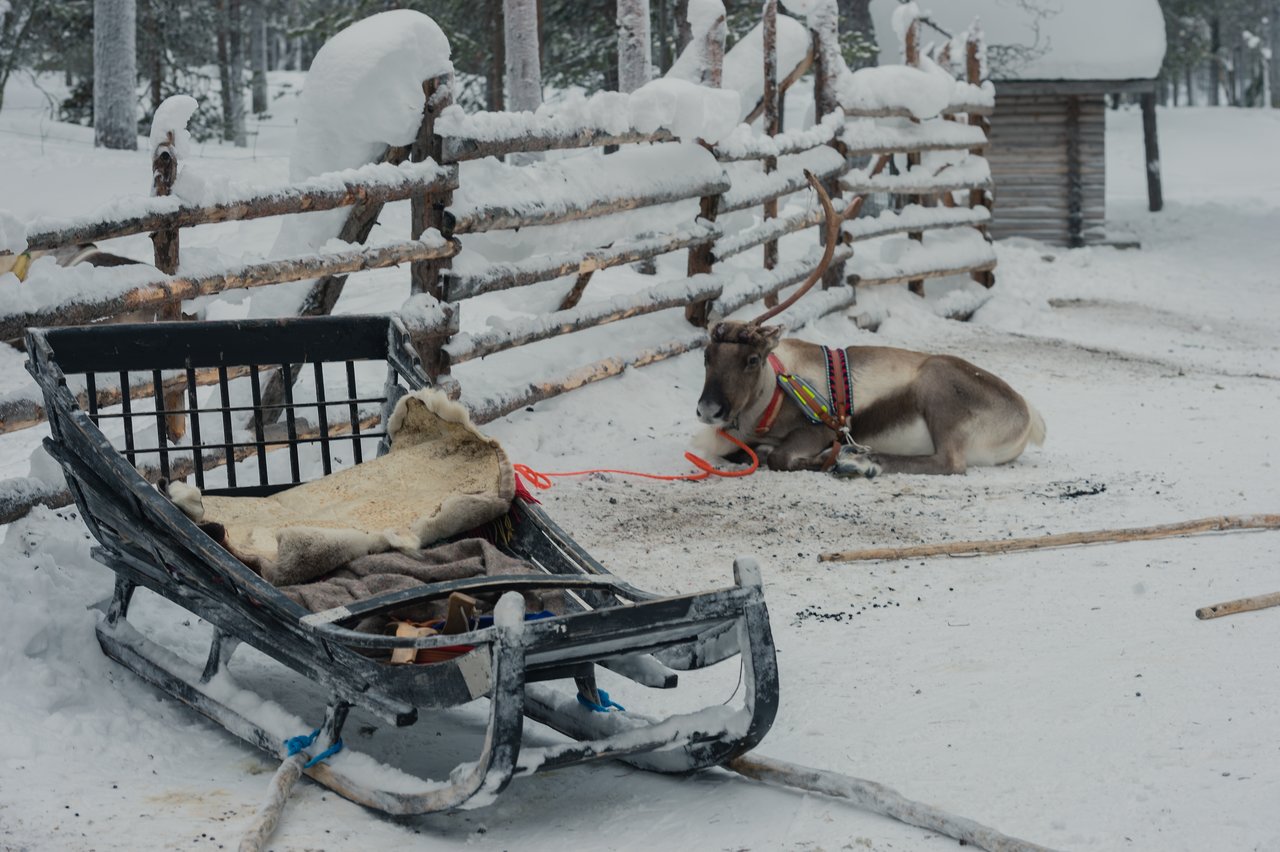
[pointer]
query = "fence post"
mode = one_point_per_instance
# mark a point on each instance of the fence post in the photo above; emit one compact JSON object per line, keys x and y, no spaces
{"x":701,"y":258}
{"x":912,"y":49}
{"x":978,"y":197}
{"x":164,"y":171}
{"x":824,"y":26}
{"x":770,"y":98}
{"x":429,"y":210}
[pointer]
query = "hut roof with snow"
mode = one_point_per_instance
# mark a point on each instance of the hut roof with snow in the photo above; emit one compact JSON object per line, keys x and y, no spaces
{"x":1053,"y":63}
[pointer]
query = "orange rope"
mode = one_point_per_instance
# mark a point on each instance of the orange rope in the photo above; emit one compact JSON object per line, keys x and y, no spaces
{"x":542,"y":481}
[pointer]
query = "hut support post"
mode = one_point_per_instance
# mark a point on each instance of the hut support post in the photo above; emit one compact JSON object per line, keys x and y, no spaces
{"x":1075,"y":179}
{"x":1155,"y":193}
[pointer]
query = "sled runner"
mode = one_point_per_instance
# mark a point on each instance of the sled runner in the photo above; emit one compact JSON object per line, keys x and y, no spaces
{"x":112,"y":448}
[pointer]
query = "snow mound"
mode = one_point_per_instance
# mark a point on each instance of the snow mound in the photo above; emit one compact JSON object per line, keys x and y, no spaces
{"x":362,"y":94}
{"x":688,"y":110}
{"x":13,"y":233}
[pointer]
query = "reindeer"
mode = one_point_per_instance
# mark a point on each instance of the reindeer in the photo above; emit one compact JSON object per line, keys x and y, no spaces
{"x":862,"y":410}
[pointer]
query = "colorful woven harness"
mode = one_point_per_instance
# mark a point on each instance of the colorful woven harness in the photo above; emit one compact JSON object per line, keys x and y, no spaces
{"x":835,"y":414}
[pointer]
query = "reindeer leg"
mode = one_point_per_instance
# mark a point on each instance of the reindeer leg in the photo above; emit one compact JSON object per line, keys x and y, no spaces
{"x":948,"y":456}
{"x":803,"y":449}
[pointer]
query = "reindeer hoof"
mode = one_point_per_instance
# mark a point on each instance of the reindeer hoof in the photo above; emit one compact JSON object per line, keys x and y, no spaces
{"x":851,"y":463}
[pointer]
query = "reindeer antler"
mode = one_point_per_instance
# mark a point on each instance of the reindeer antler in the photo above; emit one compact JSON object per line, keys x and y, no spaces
{"x":834,"y":221}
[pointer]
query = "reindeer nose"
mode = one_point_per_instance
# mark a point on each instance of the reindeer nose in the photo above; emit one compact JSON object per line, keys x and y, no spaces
{"x":710,"y":412}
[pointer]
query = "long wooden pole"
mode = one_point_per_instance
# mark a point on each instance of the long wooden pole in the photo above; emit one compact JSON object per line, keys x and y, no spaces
{"x":1217,"y":523}
{"x":1240,"y":605}
{"x":879,"y":799}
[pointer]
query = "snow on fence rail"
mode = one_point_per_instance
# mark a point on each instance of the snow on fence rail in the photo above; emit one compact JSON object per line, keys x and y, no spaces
{"x":925,"y":129}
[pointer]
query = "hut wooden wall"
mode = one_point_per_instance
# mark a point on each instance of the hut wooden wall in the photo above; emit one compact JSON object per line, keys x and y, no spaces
{"x":1047,"y":157}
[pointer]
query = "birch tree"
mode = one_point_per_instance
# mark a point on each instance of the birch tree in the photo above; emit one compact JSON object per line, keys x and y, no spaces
{"x":115,"y":70}
{"x":635,"y":63}
{"x":258,"y":54}
{"x":524,"y":70}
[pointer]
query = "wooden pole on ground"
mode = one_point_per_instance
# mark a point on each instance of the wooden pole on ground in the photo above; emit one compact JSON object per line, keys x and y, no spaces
{"x":879,"y":799}
{"x":1217,"y":523}
{"x":1240,"y":605}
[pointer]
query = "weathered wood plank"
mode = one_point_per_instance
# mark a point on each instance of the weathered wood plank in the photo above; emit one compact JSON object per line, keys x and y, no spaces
{"x":467,"y":347}
{"x":504,"y":276}
{"x":317,"y":194}
{"x":497,"y":218}
{"x":457,"y":149}
{"x":173,"y":290}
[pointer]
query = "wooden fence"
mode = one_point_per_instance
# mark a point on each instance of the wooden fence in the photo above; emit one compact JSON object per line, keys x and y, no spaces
{"x":739,"y":174}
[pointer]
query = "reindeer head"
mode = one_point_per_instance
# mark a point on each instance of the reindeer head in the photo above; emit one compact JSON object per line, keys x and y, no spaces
{"x":735,"y":355}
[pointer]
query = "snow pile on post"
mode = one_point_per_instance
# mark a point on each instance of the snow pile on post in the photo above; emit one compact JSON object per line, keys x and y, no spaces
{"x":171,"y":117}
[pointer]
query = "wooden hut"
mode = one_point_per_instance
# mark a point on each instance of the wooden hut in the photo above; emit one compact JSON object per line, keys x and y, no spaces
{"x":1053,"y":63}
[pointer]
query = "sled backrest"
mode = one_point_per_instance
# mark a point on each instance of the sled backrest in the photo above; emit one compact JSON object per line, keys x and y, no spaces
{"x":287,"y":400}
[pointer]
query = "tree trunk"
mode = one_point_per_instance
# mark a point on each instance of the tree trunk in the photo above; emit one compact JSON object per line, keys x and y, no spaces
{"x":497,"y":58}
{"x":155,"y":36}
{"x":1215,"y":61}
{"x":1191,"y":100}
{"x":1272,"y":36}
{"x":258,"y":54}
{"x":664,"y":40}
{"x":855,"y":17}
{"x":224,"y":71}
{"x":235,"y":58}
{"x":524,"y":72}
{"x":115,"y":69}
{"x":684,"y":33}
{"x":635,"y":64}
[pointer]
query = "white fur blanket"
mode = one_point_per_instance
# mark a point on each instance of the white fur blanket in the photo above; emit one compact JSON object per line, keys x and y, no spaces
{"x":441,"y":477}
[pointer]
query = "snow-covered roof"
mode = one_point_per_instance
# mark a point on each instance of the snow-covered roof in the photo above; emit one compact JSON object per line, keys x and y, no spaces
{"x":1047,"y":39}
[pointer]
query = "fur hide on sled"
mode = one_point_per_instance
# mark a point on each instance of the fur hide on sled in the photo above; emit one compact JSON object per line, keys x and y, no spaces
{"x":441,"y":477}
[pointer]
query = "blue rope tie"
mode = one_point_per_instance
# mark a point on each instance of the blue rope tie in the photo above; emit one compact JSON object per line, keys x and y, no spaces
{"x":605,"y":702}
{"x":324,"y":755}
{"x":293,"y":745}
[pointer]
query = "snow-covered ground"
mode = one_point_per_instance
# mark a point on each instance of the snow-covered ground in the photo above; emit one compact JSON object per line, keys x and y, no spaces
{"x":1068,"y":697}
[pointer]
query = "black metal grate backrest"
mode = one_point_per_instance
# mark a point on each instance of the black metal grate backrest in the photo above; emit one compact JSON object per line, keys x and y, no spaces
{"x":285,"y":400}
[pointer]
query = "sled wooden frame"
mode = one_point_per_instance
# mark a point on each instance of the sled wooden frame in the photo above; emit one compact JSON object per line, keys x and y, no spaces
{"x":148,"y":542}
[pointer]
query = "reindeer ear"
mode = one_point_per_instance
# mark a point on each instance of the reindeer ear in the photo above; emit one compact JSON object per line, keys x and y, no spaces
{"x":770,"y":335}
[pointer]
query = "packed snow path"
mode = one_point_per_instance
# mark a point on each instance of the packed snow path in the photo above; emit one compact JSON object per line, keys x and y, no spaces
{"x":1070,"y":697}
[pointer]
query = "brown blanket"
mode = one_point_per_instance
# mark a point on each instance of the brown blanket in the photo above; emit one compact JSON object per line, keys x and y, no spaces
{"x":395,"y":571}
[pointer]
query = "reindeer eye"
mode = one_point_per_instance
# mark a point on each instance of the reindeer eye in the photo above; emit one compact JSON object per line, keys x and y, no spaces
{"x":753,"y":361}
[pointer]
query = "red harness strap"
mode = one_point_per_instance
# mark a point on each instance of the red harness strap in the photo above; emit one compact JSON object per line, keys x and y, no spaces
{"x":839,"y":383}
{"x":774,"y":407}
